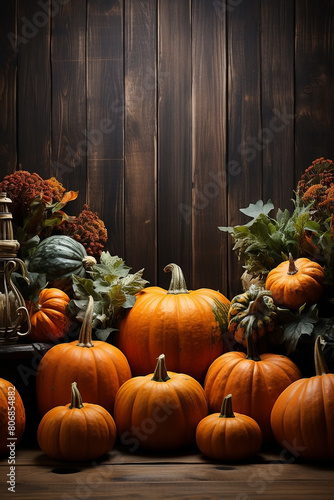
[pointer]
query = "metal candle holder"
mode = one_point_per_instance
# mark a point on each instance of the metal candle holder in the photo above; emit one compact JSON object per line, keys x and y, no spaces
{"x":13,"y":312}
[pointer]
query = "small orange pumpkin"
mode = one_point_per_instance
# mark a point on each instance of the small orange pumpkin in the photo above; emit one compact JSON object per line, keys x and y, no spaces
{"x":302,"y":418}
{"x":294,"y":283}
{"x":159,"y":411}
{"x":255,"y":382}
{"x":48,"y":318}
{"x":188,"y":326}
{"x":12,"y":416}
{"x":100,"y":369}
{"x":228,"y":435}
{"x":78,"y":431}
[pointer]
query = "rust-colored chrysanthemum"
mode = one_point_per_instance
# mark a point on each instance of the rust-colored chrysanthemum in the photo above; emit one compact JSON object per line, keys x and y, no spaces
{"x":87,"y":228}
{"x":320,"y":172}
{"x":57,"y":189}
{"x":23,"y":188}
{"x":314,"y":193}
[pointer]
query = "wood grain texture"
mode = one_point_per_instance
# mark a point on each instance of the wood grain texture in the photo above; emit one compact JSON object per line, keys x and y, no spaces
{"x":169,"y":116}
{"x":105,"y":118}
{"x":140,"y":137}
{"x":34,"y":89}
{"x":68,"y":66}
{"x":183,"y":475}
{"x":209,"y":141}
{"x":174,"y":137}
{"x":8,"y":75}
{"x":244,"y":164}
{"x":314,"y":69}
{"x":277,"y":102}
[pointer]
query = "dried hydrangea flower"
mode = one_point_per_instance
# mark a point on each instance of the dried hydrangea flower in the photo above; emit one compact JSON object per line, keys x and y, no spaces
{"x":88,"y":229}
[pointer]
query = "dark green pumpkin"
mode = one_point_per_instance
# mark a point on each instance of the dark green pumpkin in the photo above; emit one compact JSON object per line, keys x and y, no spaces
{"x":59,"y":257}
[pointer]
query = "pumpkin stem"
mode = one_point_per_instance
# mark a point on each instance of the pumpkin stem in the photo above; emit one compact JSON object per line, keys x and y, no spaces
{"x":321,"y":367}
{"x":88,"y":261}
{"x":76,"y":399}
{"x":177,"y":283}
{"x":258,"y":304}
{"x":292,"y":266}
{"x":226,"y":410}
{"x":85,"y":335}
{"x":160,"y":372}
{"x":252,"y":352}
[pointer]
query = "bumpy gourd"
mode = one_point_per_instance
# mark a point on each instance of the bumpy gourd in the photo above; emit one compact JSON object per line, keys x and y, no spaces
{"x":252,"y":313}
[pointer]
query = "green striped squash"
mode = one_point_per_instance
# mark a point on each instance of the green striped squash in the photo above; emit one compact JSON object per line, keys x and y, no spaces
{"x":59,"y":257}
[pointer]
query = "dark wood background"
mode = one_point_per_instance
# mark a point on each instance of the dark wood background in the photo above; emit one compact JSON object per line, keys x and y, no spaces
{"x":168,"y":115}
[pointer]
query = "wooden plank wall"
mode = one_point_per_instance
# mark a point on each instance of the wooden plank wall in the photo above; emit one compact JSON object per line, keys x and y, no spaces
{"x":168,"y":115}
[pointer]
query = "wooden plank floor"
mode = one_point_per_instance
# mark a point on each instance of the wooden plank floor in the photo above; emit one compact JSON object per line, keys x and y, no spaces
{"x":187,"y":475}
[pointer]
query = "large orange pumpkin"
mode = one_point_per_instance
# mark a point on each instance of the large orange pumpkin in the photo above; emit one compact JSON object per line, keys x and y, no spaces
{"x":12,"y":417}
{"x":99,"y":369}
{"x":228,"y":435}
{"x":159,"y":411}
{"x":302,"y":418}
{"x":188,"y":326}
{"x":294,"y":283}
{"x":78,"y":431}
{"x":48,"y":315}
{"x":255,"y":382}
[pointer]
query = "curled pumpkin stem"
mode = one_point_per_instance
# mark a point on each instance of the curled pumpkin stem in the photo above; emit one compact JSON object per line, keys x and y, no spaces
{"x":259,"y":305}
{"x":177,"y":283}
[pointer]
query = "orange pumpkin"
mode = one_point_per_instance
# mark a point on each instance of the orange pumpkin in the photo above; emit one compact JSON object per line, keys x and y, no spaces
{"x":78,"y":431}
{"x":255,"y":382}
{"x":12,"y":416}
{"x":302,"y":418}
{"x":100,"y":369}
{"x":188,"y":326}
{"x":48,"y":318}
{"x":159,"y":411}
{"x":228,"y":435}
{"x":294,"y":283}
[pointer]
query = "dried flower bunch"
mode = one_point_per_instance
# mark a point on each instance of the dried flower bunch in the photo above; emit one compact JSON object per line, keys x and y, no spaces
{"x":316,"y":186}
{"x":37,"y":208}
{"x":23,"y":188}
{"x":87,"y":228}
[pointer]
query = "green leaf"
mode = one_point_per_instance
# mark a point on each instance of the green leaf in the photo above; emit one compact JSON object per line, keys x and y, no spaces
{"x":254,"y":211}
{"x":103,"y":334}
{"x":112,"y":288}
{"x":303,"y":324}
{"x":83,"y":287}
{"x":30,"y":290}
{"x":134,"y":282}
